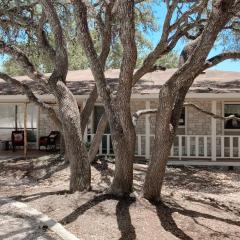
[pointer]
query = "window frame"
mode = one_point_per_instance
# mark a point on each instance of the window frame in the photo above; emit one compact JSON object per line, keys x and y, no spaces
{"x":22,"y":105}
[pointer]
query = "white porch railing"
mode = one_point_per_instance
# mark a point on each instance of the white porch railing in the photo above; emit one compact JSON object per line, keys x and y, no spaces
{"x":184,"y":146}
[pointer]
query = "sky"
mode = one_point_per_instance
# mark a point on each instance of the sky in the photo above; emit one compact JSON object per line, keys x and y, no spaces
{"x":228,"y":65}
{"x":160,"y":12}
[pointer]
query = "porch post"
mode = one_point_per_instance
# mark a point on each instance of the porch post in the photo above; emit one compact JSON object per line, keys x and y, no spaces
{"x":85,"y":132}
{"x":25,"y":131}
{"x":147,"y":132}
{"x":214,"y":131}
{"x":38,"y":127}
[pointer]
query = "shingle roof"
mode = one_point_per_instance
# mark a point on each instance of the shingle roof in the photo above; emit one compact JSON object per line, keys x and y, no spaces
{"x":81,"y":82}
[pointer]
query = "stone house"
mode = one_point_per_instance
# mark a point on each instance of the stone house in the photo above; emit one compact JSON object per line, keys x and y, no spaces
{"x":200,"y":140}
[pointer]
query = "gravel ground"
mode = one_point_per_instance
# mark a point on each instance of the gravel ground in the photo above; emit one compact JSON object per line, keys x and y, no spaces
{"x":198,"y":203}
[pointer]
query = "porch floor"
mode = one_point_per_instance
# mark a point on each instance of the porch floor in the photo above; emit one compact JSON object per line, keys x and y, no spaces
{"x":197,"y":162}
{"x":205,"y":162}
{"x":9,"y":154}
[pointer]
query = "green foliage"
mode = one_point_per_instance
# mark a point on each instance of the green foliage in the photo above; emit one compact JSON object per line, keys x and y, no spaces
{"x":78,"y":60}
{"x":12,"y":68}
{"x":169,"y":61}
{"x":26,"y":39}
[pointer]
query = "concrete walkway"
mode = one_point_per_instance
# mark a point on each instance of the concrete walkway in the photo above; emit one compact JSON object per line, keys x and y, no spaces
{"x":21,"y":222}
{"x":17,"y":225}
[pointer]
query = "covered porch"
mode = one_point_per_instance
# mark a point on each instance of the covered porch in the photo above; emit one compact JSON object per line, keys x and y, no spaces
{"x":186,"y":149}
{"x":217,"y":144}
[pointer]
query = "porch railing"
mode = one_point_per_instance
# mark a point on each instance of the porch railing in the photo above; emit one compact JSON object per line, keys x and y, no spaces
{"x":184,"y":146}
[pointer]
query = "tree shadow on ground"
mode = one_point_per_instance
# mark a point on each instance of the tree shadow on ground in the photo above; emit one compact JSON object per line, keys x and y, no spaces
{"x":124,"y":219}
{"x":201,"y":179}
{"x":216,"y":204}
{"x":52,"y":167}
{"x":168,"y":223}
{"x":35,"y":170}
{"x":84,"y":207}
{"x":166,"y":209}
{"x":35,"y":196}
{"x":122,"y":213}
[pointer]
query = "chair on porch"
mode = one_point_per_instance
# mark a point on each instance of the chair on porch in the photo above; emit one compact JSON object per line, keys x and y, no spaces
{"x":17,"y":139}
{"x":50,"y":141}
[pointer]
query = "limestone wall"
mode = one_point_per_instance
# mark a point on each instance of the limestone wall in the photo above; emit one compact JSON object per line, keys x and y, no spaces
{"x":196,"y":122}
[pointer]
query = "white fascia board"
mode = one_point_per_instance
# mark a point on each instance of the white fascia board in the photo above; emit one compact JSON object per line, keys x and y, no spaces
{"x":214,"y":95}
{"x":222,"y":96}
{"x":13,"y":98}
{"x":193,"y":95}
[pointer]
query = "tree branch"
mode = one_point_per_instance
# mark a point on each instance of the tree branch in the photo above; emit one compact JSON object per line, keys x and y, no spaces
{"x":202,"y":45}
{"x":23,"y":60}
{"x":42,"y":38}
{"x":172,"y":32}
{"x":220,"y":58}
{"x":106,"y":36}
{"x":88,"y":46}
{"x":61,"y":56}
{"x":97,"y":137}
{"x":127,"y":36}
{"x":139,"y":113}
{"x":213,"y":115}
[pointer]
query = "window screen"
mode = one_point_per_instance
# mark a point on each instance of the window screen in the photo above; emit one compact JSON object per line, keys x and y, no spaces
{"x":12,"y":118}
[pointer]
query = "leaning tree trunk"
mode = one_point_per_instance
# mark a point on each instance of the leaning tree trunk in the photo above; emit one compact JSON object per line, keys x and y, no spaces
{"x":168,"y":116}
{"x":123,"y":139}
{"x":97,"y":138}
{"x":164,"y":135}
{"x":80,"y":171}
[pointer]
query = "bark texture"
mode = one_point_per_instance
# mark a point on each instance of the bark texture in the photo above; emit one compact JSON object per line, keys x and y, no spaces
{"x":172,"y":94}
{"x":117,"y":108}
{"x":97,"y":138}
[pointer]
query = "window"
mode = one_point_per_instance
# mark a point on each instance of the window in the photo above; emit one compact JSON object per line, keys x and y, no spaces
{"x":182,"y":118}
{"x":232,"y":109}
{"x":12,"y":118}
{"x":98,"y":112}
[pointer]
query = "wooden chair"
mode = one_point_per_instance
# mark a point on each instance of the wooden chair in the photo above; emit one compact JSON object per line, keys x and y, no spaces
{"x":50,"y":141}
{"x":17,"y":139}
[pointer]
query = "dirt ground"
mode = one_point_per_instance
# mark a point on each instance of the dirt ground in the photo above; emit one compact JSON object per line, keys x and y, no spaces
{"x":198,"y":203}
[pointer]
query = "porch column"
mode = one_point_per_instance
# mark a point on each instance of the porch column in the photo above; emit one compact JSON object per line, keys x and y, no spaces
{"x":38,"y":127}
{"x":25,"y":131}
{"x":214,"y":131}
{"x":85,"y":132}
{"x":147,"y":132}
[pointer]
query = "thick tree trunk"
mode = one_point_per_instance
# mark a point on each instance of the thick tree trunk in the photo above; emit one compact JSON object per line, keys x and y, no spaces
{"x":124,"y":147}
{"x":80,"y":174}
{"x":168,"y":115}
{"x":164,"y":135}
{"x":124,"y":154}
{"x":97,"y":138}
